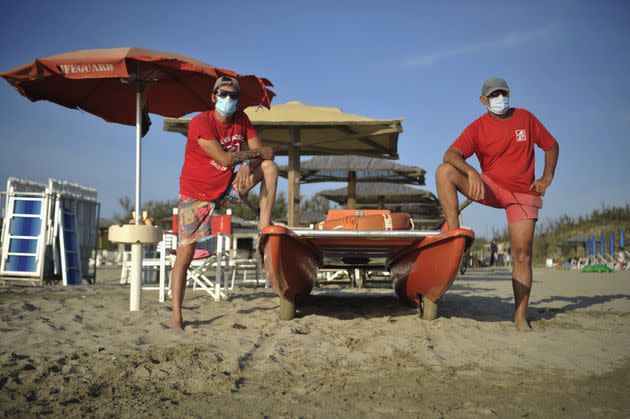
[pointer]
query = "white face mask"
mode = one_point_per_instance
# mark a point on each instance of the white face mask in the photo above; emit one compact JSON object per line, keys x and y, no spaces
{"x":499,"y":105}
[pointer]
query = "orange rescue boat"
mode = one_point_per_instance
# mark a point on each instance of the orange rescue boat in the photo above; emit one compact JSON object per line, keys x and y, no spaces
{"x":422,"y":263}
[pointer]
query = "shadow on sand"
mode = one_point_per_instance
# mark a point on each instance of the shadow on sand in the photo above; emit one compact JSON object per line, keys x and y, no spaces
{"x":344,"y":304}
{"x":480,"y":308}
{"x":359,"y":304}
{"x":486,"y":308}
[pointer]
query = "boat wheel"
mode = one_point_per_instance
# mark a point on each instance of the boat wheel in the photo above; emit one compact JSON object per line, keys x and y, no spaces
{"x":427,"y":309}
{"x":287,"y":309}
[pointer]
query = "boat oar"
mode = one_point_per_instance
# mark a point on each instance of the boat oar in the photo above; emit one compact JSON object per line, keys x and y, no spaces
{"x":251,"y":206}
{"x":464,"y":205}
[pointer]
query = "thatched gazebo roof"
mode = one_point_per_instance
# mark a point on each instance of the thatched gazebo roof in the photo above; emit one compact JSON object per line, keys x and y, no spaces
{"x":373,"y":193}
{"x":366,"y":169}
{"x":422,"y":205}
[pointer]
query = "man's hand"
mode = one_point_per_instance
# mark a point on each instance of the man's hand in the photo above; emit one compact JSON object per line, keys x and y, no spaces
{"x":244,"y":180}
{"x":266,"y":153}
{"x":477,"y":189}
{"x":540,"y":185}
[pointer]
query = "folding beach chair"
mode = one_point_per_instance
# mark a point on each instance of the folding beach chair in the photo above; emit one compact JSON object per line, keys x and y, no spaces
{"x":205,"y":263}
{"x":164,"y":261}
{"x":244,"y":259}
{"x":156,"y":260}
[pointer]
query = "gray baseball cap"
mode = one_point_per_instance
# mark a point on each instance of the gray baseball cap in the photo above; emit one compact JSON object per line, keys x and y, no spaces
{"x":492,"y":85}
{"x":226,"y":81}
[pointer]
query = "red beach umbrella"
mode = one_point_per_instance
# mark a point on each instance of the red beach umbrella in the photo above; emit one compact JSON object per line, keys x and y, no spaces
{"x":104,"y":82}
{"x":123,"y":84}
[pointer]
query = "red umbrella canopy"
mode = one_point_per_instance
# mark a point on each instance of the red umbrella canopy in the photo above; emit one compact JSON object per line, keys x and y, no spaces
{"x":104,"y":82}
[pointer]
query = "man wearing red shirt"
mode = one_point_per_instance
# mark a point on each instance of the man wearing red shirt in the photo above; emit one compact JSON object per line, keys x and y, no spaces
{"x":503,"y":140}
{"x":214,"y":146}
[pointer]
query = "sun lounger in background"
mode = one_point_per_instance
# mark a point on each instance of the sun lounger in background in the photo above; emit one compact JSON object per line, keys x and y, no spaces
{"x":49,"y":232}
{"x":162,"y":262}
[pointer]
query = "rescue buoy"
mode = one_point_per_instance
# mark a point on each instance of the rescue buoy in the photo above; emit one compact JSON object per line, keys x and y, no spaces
{"x":383,"y":221}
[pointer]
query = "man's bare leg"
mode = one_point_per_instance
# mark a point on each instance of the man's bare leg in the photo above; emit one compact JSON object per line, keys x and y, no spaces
{"x":178,"y":283}
{"x":267,"y":192}
{"x":267,"y":172}
{"x":449,"y":180}
{"x":521,"y":239}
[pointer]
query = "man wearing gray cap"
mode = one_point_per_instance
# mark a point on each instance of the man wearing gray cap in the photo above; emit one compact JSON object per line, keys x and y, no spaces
{"x":503,"y":140}
{"x":213,"y":149}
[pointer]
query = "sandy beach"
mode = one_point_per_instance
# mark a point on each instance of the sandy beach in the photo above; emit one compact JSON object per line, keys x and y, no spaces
{"x":79,"y":352}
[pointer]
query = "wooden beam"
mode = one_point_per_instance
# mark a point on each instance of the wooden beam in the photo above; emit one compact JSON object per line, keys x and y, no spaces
{"x":293,"y":211}
{"x":352,"y":189}
{"x":364,"y":139}
{"x":374,"y":144}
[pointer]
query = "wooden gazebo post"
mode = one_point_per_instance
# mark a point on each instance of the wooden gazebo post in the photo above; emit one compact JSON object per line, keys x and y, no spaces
{"x":293,"y":211}
{"x":352,"y":189}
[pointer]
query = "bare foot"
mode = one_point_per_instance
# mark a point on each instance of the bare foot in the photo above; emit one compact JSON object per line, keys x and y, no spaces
{"x":177,"y":324}
{"x":522,"y":325}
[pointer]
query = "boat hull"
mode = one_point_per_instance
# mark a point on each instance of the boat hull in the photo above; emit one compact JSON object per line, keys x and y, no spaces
{"x":429,"y":269}
{"x":291,"y":263}
{"x":421,"y":264}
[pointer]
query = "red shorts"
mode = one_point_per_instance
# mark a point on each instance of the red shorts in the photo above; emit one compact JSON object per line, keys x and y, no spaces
{"x":518,"y":206}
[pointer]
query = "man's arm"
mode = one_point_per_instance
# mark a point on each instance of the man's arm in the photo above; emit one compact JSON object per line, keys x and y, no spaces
{"x":231,"y":158}
{"x":244,"y":179}
{"x":551,"y":159}
{"x":254,"y":143}
{"x":455,"y":157}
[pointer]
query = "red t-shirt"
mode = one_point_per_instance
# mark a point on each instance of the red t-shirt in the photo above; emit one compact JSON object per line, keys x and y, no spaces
{"x":202,"y":177}
{"x":505,"y":148}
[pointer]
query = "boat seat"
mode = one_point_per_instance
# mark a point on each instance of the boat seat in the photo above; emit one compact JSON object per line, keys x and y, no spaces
{"x":365,"y":220}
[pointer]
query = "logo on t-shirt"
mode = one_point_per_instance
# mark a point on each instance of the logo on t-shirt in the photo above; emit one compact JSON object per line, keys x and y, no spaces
{"x":521,"y":135}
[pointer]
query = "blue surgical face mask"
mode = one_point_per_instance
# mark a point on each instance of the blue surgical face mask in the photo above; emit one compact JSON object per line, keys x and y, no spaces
{"x":226,"y":105}
{"x":499,"y":105}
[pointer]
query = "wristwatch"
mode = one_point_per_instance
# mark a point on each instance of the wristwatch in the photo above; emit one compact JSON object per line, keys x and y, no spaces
{"x":245,"y":162}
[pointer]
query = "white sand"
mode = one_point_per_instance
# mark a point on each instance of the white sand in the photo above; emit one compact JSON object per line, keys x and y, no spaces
{"x":358,"y":353}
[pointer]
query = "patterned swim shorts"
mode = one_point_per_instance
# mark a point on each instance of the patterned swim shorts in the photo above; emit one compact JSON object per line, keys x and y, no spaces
{"x":195,"y":216}
{"x":194,"y":220}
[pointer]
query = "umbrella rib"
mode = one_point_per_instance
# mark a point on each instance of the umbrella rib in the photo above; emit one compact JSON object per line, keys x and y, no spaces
{"x":98,"y":84}
{"x":179,"y":80}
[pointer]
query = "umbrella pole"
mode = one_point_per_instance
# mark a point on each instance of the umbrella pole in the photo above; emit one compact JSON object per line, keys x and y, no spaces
{"x":135,"y":292}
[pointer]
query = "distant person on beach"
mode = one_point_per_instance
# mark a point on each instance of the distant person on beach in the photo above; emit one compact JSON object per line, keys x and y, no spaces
{"x":503,"y":140}
{"x":621,"y":258}
{"x":493,"y":252}
{"x":213,"y":149}
{"x":500,"y":253}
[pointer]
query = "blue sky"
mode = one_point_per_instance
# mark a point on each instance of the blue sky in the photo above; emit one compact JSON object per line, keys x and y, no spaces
{"x":566,"y":61}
